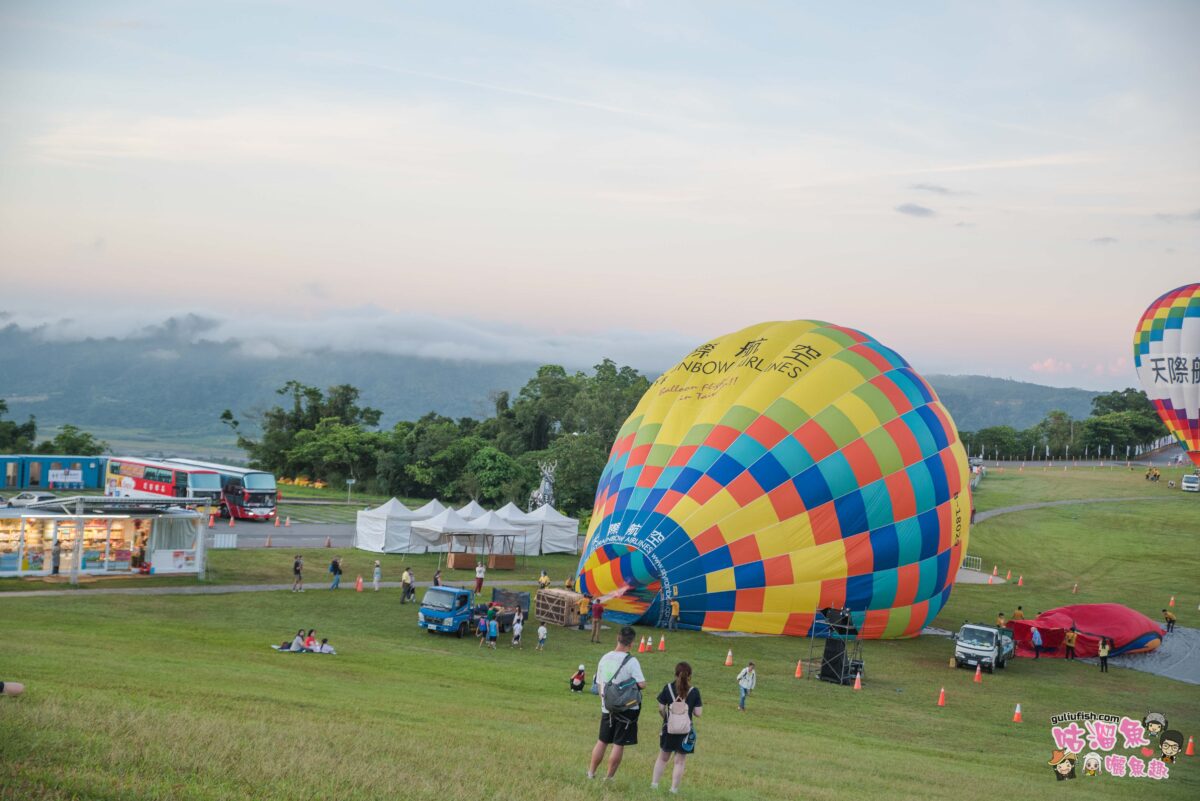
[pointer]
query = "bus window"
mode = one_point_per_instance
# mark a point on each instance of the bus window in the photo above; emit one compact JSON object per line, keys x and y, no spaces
{"x":181,"y":485}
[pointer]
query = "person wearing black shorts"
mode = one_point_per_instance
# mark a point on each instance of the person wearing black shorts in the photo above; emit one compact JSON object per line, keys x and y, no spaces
{"x":298,"y":574}
{"x":617,"y":729}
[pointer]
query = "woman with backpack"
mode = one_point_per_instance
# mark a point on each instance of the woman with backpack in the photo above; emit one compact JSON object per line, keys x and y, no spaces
{"x":678,"y":703}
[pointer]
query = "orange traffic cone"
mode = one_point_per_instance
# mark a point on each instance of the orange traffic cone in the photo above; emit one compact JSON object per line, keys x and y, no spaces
{"x":642,"y":646}
{"x":212,"y":520}
{"x":799,"y":669}
{"x":989,"y":579}
{"x":1020,"y":581}
{"x":1075,"y":589}
{"x":1008,"y":576}
{"x":858,"y":680}
{"x":329,"y":542}
{"x":662,"y":643}
{"x":268,"y":545}
{"x":276,"y":521}
{"x":1172,"y":601}
{"x":978,"y":675}
{"x":287,"y":521}
{"x":231,"y":521}
{"x":942,"y":697}
{"x":729,"y":658}
{"x":1191,"y":749}
{"x":358,"y":585}
{"x":1017,"y":714}
{"x":995,"y":570}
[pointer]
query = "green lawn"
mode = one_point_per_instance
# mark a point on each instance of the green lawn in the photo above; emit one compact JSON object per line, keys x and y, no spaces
{"x":180,"y":698}
{"x":1011,"y":486}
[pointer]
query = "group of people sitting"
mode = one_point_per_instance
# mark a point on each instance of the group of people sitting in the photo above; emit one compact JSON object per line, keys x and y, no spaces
{"x":306,"y":644}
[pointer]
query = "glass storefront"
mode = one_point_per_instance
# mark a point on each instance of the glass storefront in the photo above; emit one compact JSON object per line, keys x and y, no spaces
{"x":31,"y":544}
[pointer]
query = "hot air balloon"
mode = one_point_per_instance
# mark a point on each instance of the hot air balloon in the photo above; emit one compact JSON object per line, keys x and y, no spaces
{"x":776,"y":471}
{"x":1166,"y":352}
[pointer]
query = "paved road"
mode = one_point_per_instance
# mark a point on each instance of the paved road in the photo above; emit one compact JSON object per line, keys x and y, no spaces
{"x":297,"y":535}
{"x":226,"y":589}
{"x":1025,"y":507}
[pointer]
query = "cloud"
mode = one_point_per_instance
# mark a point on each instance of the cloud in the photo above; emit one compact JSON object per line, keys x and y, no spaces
{"x":937,"y":189}
{"x":1105,"y":240}
{"x":370,"y":330}
{"x":1051,"y":366}
{"x":913,"y":210}
{"x":1193,"y":216}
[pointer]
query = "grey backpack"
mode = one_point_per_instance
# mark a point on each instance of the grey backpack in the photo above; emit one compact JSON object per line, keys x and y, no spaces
{"x":623,"y":695}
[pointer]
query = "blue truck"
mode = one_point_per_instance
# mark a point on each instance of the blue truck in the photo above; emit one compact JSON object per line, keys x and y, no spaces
{"x":451,"y":610}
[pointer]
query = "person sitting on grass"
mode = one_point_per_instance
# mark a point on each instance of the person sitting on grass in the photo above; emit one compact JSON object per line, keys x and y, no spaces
{"x":310,"y":641}
{"x":298,"y":642}
{"x":578,"y":680}
{"x":326,"y":648}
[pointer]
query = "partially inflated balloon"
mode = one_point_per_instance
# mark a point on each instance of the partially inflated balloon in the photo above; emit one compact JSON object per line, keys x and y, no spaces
{"x":1166,"y":352}
{"x":776,"y":471}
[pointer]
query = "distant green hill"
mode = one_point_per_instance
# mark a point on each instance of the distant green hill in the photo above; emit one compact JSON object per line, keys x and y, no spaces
{"x":161,"y":392}
{"x":977,"y":401}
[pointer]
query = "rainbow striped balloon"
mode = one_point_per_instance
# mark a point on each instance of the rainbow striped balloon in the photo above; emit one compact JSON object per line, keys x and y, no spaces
{"x":776,"y":471}
{"x":1166,"y":352}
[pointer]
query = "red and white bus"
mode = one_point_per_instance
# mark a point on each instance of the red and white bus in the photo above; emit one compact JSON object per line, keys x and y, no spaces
{"x":245,"y":494}
{"x":131,"y":477}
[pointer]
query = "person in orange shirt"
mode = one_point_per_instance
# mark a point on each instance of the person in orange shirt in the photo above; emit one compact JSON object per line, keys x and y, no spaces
{"x":1069,"y":642}
{"x":1019,"y":614}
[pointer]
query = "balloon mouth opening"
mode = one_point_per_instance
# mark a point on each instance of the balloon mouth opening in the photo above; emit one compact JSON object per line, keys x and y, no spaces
{"x":625,"y":581}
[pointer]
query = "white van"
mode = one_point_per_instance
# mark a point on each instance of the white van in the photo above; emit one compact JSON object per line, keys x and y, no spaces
{"x":1190,"y":483}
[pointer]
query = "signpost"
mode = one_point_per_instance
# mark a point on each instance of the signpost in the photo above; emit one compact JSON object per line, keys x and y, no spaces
{"x":349,"y":484}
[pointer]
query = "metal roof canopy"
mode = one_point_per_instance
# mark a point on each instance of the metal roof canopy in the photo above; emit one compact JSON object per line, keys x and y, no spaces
{"x":85,"y":504}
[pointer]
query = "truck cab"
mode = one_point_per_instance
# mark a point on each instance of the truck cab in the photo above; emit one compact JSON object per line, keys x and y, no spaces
{"x":446,"y":609}
{"x":987,"y":647}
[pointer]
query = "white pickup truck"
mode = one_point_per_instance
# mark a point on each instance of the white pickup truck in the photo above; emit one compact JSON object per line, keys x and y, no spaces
{"x":988,"y":647}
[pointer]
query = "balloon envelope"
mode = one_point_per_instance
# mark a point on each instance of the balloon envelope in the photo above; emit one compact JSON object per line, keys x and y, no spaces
{"x":1166,"y":352}
{"x":776,"y":471}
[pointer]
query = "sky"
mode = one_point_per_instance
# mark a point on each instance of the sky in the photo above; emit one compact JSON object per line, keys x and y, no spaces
{"x":997,"y":189}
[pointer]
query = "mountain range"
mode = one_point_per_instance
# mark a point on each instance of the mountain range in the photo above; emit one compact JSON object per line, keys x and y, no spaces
{"x":164,"y":391}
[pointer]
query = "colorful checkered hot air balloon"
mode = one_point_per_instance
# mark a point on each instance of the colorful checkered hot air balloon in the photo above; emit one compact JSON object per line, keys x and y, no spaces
{"x":777,"y":471}
{"x":1166,"y":352}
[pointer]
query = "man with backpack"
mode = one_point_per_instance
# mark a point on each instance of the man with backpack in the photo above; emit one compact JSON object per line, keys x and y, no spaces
{"x":620,"y":682}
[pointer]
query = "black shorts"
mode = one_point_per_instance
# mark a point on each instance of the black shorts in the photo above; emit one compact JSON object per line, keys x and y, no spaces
{"x":672,"y":743}
{"x":619,"y":729}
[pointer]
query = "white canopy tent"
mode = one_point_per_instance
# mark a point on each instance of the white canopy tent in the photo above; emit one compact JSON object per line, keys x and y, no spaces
{"x":471,"y":511}
{"x":431,"y":509}
{"x":386,"y":528}
{"x":557,"y":533}
{"x":432,"y":534}
{"x":531,"y":543}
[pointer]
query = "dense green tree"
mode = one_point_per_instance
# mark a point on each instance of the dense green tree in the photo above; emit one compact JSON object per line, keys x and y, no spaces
{"x":71,"y":440}
{"x":334,"y":450}
{"x":494,"y":475}
{"x":16,"y":437}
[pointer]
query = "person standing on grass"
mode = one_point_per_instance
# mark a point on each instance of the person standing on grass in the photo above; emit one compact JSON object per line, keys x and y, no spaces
{"x":406,"y":582}
{"x":335,"y":567}
{"x":437,"y":577}
{"x":1168,"y":616}
{"x":1037,"y":643}
{"x":493,"y":632}
{"x":480,"y":572}
{"x":585,"y":604}
{"x":674,"y":624}
{"x":597,"y":616}
{"x":517,"y":628}
{"x":543,"y":581}
{"x":1069,"y":642}
{"x":618,"y":728}
{"x":679,"y":704}
{"x":1000,"y":621}
{"x":298,"y":574}
{"x":1019,"y":614}
{"x":377,"y":575}
{"x":1102,"y":652}
{"x":481,"y":630}
{"x":747,"y":680}
{"x":542,"y":633}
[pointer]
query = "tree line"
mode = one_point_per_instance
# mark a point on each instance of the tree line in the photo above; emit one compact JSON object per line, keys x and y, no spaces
{"x":569,"y":418}
{"x":1123,"y":421}
{"x":22,"y":438}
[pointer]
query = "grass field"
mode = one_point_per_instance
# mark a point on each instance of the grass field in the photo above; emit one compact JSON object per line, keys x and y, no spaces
{"x":180,"y":697}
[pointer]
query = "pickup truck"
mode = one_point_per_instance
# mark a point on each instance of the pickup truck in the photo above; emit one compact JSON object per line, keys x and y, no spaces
{"x":988,"y":647}
{"x":452,"y":609}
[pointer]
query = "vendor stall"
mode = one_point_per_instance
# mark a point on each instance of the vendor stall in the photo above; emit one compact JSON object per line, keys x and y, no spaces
{"x":500,"y":540}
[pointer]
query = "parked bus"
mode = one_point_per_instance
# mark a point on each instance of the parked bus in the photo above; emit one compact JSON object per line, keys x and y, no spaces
{"x":245,"y":494}
{"x":131,"y":477}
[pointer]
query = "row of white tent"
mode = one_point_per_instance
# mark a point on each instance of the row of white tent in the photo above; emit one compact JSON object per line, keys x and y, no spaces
{"x":436,"y":528}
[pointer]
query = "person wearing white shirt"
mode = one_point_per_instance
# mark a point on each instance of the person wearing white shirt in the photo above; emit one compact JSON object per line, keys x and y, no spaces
{"x":746,"y":680}
{"x":517,"y":628}
{"x":480,"y":572}
{"x":542,"y":634}
{"x":618,"y":728}
{"x":325,"y":648}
